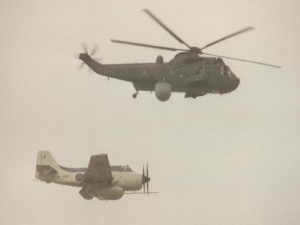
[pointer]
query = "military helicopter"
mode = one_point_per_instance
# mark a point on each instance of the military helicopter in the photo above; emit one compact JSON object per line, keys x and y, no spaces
{"x":188,"y":72}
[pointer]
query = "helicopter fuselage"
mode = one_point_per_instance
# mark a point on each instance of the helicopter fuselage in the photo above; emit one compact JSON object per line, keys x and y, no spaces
{"x":188,"y":73}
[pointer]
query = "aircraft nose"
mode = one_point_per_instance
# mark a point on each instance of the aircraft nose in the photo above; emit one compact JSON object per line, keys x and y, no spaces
{"x":145,"y":179}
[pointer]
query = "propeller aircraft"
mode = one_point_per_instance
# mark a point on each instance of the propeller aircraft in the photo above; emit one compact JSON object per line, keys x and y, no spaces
{"x":188,"y":72}
{"x":98,"y":180}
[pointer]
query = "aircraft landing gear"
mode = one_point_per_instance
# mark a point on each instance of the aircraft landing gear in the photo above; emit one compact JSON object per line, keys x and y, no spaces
{"x":135,"y":94}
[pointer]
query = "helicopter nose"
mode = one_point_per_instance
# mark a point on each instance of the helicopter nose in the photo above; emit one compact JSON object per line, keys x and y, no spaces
{"x":235,"y":83}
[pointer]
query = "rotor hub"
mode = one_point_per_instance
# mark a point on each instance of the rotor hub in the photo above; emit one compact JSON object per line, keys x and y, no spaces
{"x":84,"y":56}
{"x":145,"y":179}
{"x":196,"y":50}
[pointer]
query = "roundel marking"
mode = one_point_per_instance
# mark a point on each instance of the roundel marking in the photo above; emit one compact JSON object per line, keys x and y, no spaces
{"x":79,"y":177}
{"x":145,"y":72}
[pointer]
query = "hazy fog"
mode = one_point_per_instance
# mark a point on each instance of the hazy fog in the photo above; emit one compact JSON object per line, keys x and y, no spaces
{"x":230,"y":159}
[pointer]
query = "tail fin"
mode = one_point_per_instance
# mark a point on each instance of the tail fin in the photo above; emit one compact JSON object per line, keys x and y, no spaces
{"x":46,"y":166}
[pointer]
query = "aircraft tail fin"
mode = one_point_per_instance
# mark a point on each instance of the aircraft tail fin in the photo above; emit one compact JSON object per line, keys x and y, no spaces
{"x":46,"y":166}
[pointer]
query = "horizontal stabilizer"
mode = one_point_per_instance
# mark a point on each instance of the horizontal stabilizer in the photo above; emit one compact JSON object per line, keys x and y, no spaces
{"x":45,"y":170}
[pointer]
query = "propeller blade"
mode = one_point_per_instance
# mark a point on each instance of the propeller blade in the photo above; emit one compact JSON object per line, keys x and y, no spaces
{"x":80,"y":66}
{"x":243,"y":60}
{"x":94,"y":50}
{"x":148,"y":189}
{"x":84,"y":47}
{"x":147,"y":174}
{"x":146,"y":45}
{"x":149,"y":13}
{"x":143,"y":171}
{"x":143,"y":182}
{"x":229,"y":36}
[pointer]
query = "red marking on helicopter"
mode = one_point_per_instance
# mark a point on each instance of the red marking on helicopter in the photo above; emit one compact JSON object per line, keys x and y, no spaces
{"x":145,"y":72}
{"x":79,"y":177}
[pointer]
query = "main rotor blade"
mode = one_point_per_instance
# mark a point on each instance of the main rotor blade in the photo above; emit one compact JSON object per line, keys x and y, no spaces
{"x":229,"y":36}
{"x":243,"y":60}
{"x":147,"y":11}
{"x":146,"y":45}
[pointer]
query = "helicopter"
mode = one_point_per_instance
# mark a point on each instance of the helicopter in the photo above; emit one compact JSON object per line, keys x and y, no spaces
{"x":188,"y":72}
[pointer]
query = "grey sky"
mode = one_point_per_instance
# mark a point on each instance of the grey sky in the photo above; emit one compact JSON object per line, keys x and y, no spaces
{"x":231,"y":159}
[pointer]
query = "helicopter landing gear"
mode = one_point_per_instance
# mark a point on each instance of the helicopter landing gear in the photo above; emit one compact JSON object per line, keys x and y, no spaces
{"x":135,"y":94}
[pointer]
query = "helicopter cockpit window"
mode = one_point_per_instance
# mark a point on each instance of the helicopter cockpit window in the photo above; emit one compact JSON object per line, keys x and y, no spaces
{"x":228,"y":71}
{"x":222,"y":70}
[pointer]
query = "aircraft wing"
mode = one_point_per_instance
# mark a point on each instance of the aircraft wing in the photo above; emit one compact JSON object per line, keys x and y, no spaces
{"x":98,"y":169}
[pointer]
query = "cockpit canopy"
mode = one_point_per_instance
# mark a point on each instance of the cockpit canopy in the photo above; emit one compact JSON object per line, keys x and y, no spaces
{"x":190,"y":58}
{"x":211,"y":63}
{"x":226,"y":71}
{"x":121,"y":168}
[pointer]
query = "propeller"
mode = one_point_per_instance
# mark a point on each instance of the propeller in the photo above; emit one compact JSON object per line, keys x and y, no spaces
{"x":94,"y":50}
{"x":85,"y":49}
{"x":145,"y":183}
{"x":195,"y":50}
{"x":145,"y":180}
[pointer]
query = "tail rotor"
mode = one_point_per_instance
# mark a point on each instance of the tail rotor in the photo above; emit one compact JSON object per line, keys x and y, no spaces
{"x":87,"y":53}
{"x":85,"y":49}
